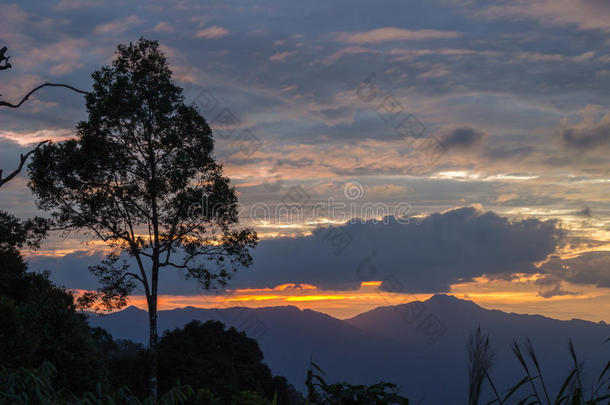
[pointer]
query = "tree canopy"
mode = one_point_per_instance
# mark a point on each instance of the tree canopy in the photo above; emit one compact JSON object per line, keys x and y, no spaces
{"x":222,"y":360}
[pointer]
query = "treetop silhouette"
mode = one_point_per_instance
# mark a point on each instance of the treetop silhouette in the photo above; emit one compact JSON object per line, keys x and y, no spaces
{"x":138,"y":165}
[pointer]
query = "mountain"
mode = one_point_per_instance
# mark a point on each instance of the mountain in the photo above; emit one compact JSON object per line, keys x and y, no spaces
{"x":289,"y":337}
{"x":459,"y":317}
{"x":420,"y":346}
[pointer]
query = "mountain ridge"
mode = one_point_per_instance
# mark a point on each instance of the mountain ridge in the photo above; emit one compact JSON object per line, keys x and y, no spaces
{"x":390,"y":343}
{"x":433,"y":298}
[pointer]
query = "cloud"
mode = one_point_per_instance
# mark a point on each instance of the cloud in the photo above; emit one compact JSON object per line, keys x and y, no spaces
{"x":553,"y":57}
{"x":213,"y":32}
{"x":65,"y":56}
{"x":393,"y":34}
{"x":72,"y":271}
{"x":118,"y":26}
{"x":29,"y":138}
{"x":389,"y":190}
{"x":350,"y":50}
{"x":586,"y":136}
{"x":163,"y":26}
{"x":417,"y":257}
{"x":461,"y":137}
{"x":502,"y":198}
{"x":590,"y":268}
{"x":433,"y":73}
{"x":552,"y":286}
{"x":586,"y":14}
{"x":425,"y":257}
{"x":280,"y":56}
{"x":75,"y":4}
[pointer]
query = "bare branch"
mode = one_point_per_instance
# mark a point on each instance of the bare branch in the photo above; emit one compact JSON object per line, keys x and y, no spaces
{"x":134,"y":275}
{"x":7,"y":104}
{"x":23,"y":159}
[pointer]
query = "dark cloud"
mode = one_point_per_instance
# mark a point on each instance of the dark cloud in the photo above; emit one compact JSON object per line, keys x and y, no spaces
{"x":513,"y":153}
{"x":461,"y":137}
{"x":427,"y":257}
{"x":591,"y":268}
{"x":72,"y":271}
{"x":414,"y":257}
{"x":580,"y":138}
{"x":551,"y":286}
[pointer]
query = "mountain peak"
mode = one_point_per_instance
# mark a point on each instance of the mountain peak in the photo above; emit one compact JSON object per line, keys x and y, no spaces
{"x":450,"y":302}
{"x":443,"y":298}
{"x":132,"y":308}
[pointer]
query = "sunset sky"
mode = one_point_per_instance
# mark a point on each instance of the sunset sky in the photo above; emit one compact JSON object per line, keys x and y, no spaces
{"x":324,"y":115}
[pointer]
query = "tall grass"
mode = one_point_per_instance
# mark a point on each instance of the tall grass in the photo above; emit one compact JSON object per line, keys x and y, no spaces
{"x":480,"y":359}
{"x":532,"y":389}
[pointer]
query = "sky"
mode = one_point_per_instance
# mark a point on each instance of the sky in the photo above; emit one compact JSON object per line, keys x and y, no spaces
{"x":383,"y":151}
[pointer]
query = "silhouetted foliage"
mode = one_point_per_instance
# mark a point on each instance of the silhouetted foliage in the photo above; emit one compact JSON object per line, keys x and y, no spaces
{"x":128,"y":365}
{"x":39,"y":320}
{"x":319,"y":392}
{"x":40,"y":323}
{"x":15,"y":234}
{"x":35,"y":387}
{"x":225,"y":361}
{"x":4,"y":64}
{"x":139,"y":164}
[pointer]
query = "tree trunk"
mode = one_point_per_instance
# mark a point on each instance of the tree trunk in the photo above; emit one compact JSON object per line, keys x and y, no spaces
{"x":153,"y":344}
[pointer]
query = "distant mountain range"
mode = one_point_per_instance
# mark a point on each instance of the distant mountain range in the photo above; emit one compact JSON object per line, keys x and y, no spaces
{"x":421,"y":346}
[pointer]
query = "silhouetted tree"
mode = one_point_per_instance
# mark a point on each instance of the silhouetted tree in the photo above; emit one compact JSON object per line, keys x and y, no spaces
{"x":128,"y":365}
{"x":224,"y":361}
{"x":139,"y":164}
{"x":39,"y":320}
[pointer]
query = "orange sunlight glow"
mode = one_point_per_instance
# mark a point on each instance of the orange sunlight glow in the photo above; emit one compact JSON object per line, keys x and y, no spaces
{"x":520,"y":294}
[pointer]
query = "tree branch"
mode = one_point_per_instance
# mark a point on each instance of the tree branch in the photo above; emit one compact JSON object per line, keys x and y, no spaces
{"x":23,"y":159}
{"x":7,"y":104}
{"x":4,"y":59}
{"x":134,"y":275}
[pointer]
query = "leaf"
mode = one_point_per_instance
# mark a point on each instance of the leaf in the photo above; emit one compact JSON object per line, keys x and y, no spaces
{"x":559,"y":399}
{"x":515,"y":388}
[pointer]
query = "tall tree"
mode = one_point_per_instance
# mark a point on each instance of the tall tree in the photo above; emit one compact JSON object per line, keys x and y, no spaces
{"x":132,"y":176}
